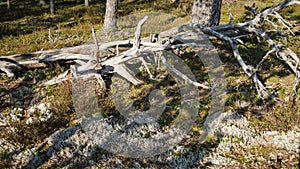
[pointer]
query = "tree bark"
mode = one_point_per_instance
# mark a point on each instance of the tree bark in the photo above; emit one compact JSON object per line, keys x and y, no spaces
{"x":52,"y":6}
{"x":42,"y":2}
{"x":8,"y":4}
{"x":111,"y":14}
{"x":206,"y":12}
{"x":86,"y":2}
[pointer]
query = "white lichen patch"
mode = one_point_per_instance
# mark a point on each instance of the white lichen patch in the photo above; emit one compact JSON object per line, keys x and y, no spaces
{"x":40,"y":112}
{"x":240,"y":141}
{"x":240,"y":144}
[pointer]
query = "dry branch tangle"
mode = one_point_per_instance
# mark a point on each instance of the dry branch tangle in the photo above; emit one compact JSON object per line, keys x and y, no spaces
{"x":83,"y":55}
{"x":254,"y":27}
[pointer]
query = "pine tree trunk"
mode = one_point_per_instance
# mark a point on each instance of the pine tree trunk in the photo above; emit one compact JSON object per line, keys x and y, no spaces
{"x":111,"y":14}
{"x":86,"y":2}
{"x":42,"y":2}
{"x":8,"y":4}
{"x":52,"y":6}
{"x":206,"y":12}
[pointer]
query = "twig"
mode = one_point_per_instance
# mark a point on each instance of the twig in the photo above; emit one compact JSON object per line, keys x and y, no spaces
{"x":252,"y":9}
{"x":8,"y":72}
{"x":100,"y":81}
{"x":182,"y":75}
{"x":146,"y":66}
{"x":285,"y":23}
{"x":58,"y":79}
{"x":247,"y":69}
{"x":284,"y":54}
{"x":137,"y":37}
{"x":230,"y":16}
{"x":96,"y":54}
{"x":272,"y":23}
{"x":263,"y":59}
{"x":50,"y":36}
{"x":124,"y":72}
{"x":117,"y":50}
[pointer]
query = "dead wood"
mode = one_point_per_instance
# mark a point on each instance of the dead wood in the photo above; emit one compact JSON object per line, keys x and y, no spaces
{"x":89,"y":62}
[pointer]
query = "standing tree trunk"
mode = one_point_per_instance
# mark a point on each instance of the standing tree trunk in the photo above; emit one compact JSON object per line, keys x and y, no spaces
{"x":111,"y":14}
{"x":206,"y":12}
{"x":42,"y":2}
{"x":8,"y":4}
{"x":52,"y":6}
{"x":86,"y":2}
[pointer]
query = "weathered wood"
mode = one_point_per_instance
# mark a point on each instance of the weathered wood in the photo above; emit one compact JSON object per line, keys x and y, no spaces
{"x":254,"y":27}
{"x":84,"y":55}
{"x":137,"y":37}
{"x":82,"y":52}
{"x":183,"y":76}
{"x":96,"y":53}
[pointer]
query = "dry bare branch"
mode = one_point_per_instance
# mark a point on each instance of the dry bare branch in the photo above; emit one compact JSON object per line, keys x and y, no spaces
{"x":96,"y":44}
{"x":232,"y":33}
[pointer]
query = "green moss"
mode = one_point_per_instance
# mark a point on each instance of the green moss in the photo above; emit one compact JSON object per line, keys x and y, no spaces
{"x":212,"y":142}
{"x":237,"y":157}
{"x":280,"y":118}
{"x":101,"y":152}
{"x":4,"y":155}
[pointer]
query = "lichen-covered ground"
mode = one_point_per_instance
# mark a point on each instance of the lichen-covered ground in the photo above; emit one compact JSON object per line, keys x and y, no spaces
{"x":237,"y":145}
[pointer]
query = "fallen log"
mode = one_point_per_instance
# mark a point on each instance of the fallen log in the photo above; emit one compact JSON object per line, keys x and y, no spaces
{"x":87,"y":57}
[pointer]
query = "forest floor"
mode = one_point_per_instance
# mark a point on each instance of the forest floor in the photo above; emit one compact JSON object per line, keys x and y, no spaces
{"x":39,"y":127}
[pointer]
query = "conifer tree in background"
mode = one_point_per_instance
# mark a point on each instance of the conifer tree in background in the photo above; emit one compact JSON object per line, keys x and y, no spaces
{"x":111,"y":14}
{"x":8,"y":4}
{"x":86,"y":2}
{"x":42,"y":2}
{"x":52,"y":6}
{"x":206,"y":12}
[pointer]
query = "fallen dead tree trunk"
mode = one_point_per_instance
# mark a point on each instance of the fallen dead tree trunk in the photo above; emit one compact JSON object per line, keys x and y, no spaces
{"x":88,"y":58}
